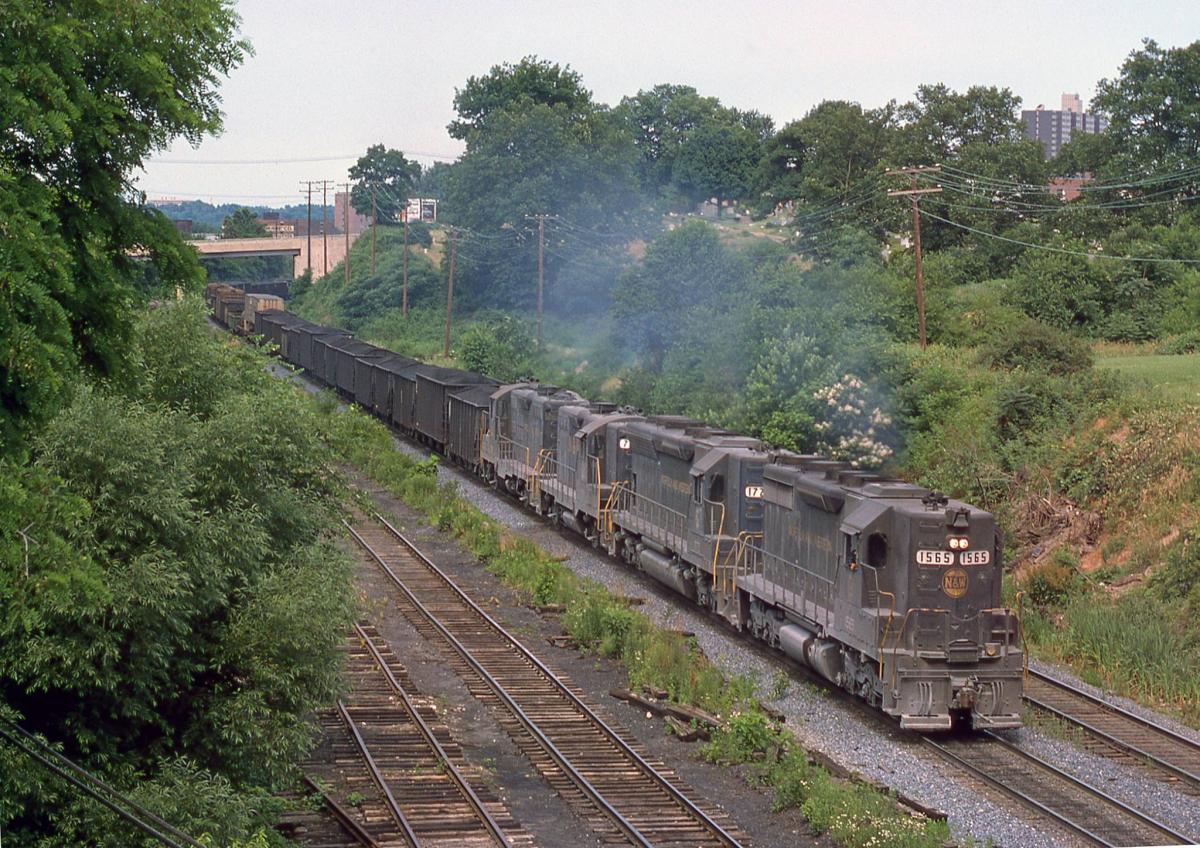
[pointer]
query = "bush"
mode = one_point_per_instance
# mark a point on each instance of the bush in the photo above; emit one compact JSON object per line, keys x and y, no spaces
{"x":1034,"y":346}
{"x":1181,"y":344}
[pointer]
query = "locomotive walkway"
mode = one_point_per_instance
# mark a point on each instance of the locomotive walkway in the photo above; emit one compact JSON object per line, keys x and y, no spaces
{"x":625,"y":796}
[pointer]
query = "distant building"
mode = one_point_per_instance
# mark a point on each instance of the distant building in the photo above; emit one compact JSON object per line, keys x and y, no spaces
{"x":1054,"y":127}
{"x":277,"y":227}
{"x":183,"y":225}
{"x":1069,"y":188}
{"x":341,"y":204}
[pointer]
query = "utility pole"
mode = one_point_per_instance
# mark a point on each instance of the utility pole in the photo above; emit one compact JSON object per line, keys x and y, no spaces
{"x":541,"y":219}
{"x":404,"y":283}
{"x":309,"y":184}
{"x":374,"y":220}
{"x":916,"y":193}
{"x":449,"y":297}
{"x":346,"y":228}
{"x":324,"y":226}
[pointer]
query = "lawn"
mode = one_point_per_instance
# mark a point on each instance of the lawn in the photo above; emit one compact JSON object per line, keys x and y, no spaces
{"x":1173,"y":378}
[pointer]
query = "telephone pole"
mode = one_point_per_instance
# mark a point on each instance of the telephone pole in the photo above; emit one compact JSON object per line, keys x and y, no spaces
{"x":404,"y":283}
{"x":374,"y":219}
{"x":309,"y":184}
{"x":346,"y":227}
{"x":449,"y":297}
{"x":915,"y":193}
{"x":324,"y":226}
{"x":541,"y":219}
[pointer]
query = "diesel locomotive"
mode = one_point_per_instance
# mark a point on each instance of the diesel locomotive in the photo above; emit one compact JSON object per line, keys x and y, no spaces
{"x":884,"y":588}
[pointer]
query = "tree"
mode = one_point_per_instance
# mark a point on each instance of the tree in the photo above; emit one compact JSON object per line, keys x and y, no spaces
{"x":1153,"y":109}
{"x":386,"y":177}
{"x":716,"y":160}
{"x":532,"y":80}
{"x":825,"y":157}
{"x":939,"y":122}
{"x":243,"y":223}
{"x":89,"y":91}
{"x":686,"y":271}
{"x":534,"y":148}
{"x":662,"y":121}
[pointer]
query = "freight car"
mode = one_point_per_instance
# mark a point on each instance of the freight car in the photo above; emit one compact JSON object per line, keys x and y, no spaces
{"x":884,"y":588}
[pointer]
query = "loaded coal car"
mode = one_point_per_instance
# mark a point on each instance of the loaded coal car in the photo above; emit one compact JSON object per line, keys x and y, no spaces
{"x":325,"y":355}
{"x":468,"y":413}
{"x":270,"y":324}
{"x":522,"y":446}
{"x":433,"y":387}
{"x":378,"y":387}
{"x":886,"y":589}
{"x":683,"y":498}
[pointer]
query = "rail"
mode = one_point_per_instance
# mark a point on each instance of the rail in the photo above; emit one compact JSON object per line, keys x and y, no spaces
{"x":445,"y":763}
{"x":561,"y":761}
{"x":377,"y":776}
{"x":1163,"y":748}
{"x":1069,"y":802}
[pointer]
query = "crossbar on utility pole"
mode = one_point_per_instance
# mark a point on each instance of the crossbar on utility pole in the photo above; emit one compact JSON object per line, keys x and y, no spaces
{"x":449,"y":297}
{"x":915,"y":194}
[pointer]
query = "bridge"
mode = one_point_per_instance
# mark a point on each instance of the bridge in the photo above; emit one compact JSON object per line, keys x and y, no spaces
{"x":297,"y":248}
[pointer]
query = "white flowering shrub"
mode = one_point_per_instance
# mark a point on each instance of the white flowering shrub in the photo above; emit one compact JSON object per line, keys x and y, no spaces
{"x":851,"y":425}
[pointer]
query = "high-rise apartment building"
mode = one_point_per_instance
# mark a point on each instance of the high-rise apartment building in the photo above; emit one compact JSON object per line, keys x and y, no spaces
{"x":1054,"y":127}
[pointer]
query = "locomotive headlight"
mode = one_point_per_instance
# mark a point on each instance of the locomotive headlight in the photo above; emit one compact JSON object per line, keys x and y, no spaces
{"x":958,"y":543}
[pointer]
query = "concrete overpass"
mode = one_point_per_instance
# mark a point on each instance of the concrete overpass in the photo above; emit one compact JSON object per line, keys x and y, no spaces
{"x":297,"y":248}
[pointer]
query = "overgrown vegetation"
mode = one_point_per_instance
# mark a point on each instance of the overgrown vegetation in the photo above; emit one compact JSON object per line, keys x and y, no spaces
{"x":172,"y":600}
{"x":851,"y":815}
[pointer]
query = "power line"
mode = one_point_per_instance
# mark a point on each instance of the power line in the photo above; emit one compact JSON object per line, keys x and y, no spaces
{"x":97,"y":789}
{"x":444,"y":157}
{"x":1063,"y":250}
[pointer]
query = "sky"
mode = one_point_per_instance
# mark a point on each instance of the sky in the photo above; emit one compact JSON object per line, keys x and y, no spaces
{"x":328,"y":79}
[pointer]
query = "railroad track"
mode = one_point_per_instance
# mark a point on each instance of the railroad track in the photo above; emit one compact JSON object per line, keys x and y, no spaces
{"x":1052,"y":793}
{"x":625,"y":796}
{"x":410,"y":784}
{"x":1170,"y":757}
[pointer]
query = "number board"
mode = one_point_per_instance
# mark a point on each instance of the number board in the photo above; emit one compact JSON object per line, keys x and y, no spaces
{"x":928,"y":557}
{"x":975,"y":557}
{"x":755,"y":492}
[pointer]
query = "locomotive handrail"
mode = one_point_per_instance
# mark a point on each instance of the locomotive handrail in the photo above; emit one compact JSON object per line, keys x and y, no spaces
{"x":710,"y":507}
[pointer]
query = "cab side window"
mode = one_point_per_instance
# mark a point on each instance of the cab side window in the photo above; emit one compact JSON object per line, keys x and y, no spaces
{"x":877,"y":550}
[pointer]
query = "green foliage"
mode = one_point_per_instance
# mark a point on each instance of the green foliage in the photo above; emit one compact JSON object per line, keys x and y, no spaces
{"x":383,"y":181}
{"x":503,"y":349}
{"x":1150,"y":108}
{"x":745,"y":737}
{"x":1033,"y":346}
{"x":86,"y":98}
{"x":1055,"y":580}
{"x":242,"y":223}
{"x":177,"y":600}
